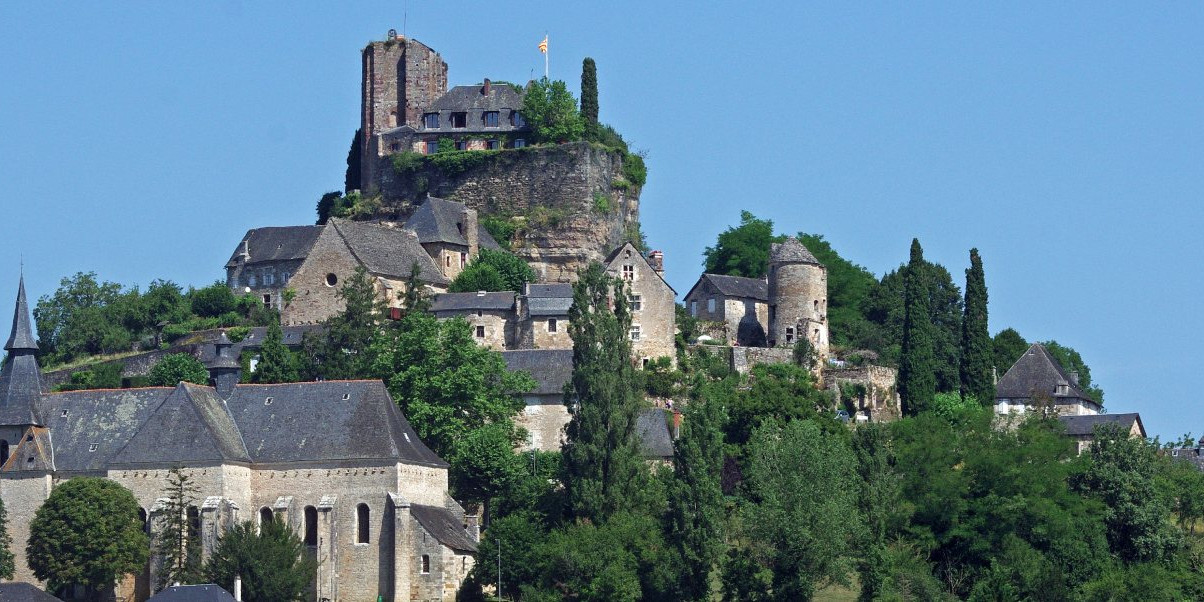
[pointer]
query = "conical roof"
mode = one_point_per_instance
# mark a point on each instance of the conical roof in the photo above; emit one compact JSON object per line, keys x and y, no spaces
{"x":22,"y":334}
{"x":791,"y":251}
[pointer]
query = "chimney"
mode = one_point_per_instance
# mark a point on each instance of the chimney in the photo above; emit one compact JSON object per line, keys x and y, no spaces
{"x":487,"y":87}
{"x":224,"y":370}
{"x":469,"y":219}
{"x":246,"y":251}
{"x":238,"y":588}
{"x":1074,"y":378}
{"x":656,"y":259}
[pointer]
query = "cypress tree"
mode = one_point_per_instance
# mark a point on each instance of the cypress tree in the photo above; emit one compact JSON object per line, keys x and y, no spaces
{"x":604,"y":471}
{"x":589,"y":95}
{"x":276,"y":362}
{"x":976,"y":349}
{"x":7,"y":560}
{"x":351,"y":180}
{"x":179,"y":536}
{"x":696,"y":515}
{"x":917,"y":378}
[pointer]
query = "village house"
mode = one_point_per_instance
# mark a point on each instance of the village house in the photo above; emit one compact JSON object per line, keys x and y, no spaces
{"x":738,"y":305}
{"x":490,"y":316}
{"x":652,"y":301}
{"x":1081,"y":427}
{"x":336,"y":461}
{"x":1037,"y":378}
{"x":543,"y":316}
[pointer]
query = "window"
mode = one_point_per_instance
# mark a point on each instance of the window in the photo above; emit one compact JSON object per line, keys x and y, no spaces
{"x":461,"y":145}
{"x":463,"y":260}
{"x":426,"y":564}
{"x":63,"y":415}
{"x":516,"y":119}
{"x":267,"y":300}
{"x":629,"y":272}
{"x":635,"y":332}
{"x":637,"y":302}
{"x":311,"y":526}
{"x":251,"y":280}
{"x":268,"y":279}
{"x":194,"y":522}
{"x":394,"y":146}
{"x":816,"y":304}
{"x":694,"y":308}
{"x":362,"y":515}
{"x":3,"y":451}
{"x":284,"y":276}
{"x":789,"y":334}
{"x":266,"y":516}
{"x":145,"y":523}
{"x":480,"y":332}
{"x":459,"y":120}
{"x":490,"y":118}
{"x":447,"y":260}
{"x":331,"y":280}
{"x":519,"y":143}
{"x":492,"y":145}
{"x":430,"y":147}
{"x":551,"y":324}
{"x":93,"y":447}
{"x":711,"y":305}
{"x":430,"y":121}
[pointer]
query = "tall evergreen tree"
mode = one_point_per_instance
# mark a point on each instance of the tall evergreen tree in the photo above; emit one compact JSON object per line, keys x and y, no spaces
{"x":696,"y":516}
{"x":878,"y":501}
{"x":276,"y":362}
{"x":340,"y":350}
{"x":589,"y":95}
{"x":977,"y":352}
{"x":351,"y":180}
{"x":179,"y":537}
{"x":604,"y":472}
{"x":7,"y":561}
{"x":917,"y":380}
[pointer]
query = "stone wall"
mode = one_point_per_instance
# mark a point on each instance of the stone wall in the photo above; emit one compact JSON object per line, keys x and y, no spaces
{"x":744,"y":358}
{"x":399,"y":78}
{"x":880,"y":400}
{"x":544,"y":419}
{"x":549,"y":192}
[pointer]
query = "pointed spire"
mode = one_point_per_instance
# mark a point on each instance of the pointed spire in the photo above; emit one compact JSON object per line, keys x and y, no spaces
{"x":21,"y":338}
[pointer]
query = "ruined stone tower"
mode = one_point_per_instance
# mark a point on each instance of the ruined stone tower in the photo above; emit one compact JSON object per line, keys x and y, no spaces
{"x":400,"y":77}
{"x":798,"y":297}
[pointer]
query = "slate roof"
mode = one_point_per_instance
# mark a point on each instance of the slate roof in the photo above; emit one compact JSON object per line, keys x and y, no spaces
{"x":193,"y":593}
{"x":791,"y":251}
{"x":736,"y":286}
{"x":386,"y":251}
{"x":503,"y":300}
{"x":108,"y":418}
{"x":1036,"y":371}
{"x":22,"y":334}
{"x":276,"y":244}
{"x":549,"y":299}
{"x":20,"y":378}
{"x":464,"y":98}
{"x":551,"y":368}
{"x":24,"y":592}
{"x":653,"y":432}
{"x":313,"y":421}
{"x":439,"y":220}
{"x":211,"y":436}
{"x":634,"y":252}
{"x":444,"y":526}
{"x":1085,"y":424}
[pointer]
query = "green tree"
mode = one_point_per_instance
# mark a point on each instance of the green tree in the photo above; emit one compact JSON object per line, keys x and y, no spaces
{"x":589,"y":95}
{"x":213,"y":301}
{"x":886,"y":307}
{"x":276,"y":362}
{"x":351,"y":180}
{"x":696,"y":517}
{"x":87,"y":533}
{"x":742,"y":250}
{"x":773,"y":392}
{"x":332,"y":204}
{"x":179,"y":535}
{"x":79,"y":319}
{"x":7,"y":561}
{"x":1071,"y":361}
{"x":878,"y":498}
{"x":175,"y":368}
{"x":493,"y":271}
{"x":551,"y":112}
{"x":340,"y":349}
{"x":802,"y":509}
{"x":271,"y":561}
{"x":603,"y":469}
{"x":917,"y":381}
{"x":977,"y":355}
{"x":849,"y":286}
{"x":1007,"y":346}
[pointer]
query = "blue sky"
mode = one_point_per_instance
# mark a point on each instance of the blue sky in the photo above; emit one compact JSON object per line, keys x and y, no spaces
{"x":141,"y":140}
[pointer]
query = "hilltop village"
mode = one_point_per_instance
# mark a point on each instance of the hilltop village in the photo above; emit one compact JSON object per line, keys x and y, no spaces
{"x":480,"y":239}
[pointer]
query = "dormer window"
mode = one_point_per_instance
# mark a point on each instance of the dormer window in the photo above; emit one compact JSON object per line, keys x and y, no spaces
{"x":516,"y":119}
{"x":431,"y":121}
{"x":490,"y":118}
{"x":93,"y":447}
{"x":459,"y":120}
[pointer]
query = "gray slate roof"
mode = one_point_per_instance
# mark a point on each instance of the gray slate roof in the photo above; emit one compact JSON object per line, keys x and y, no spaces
{"x":276,"y":244}
{"x":1085,"y":425}
{"x":653,"y":432}
{"x":386,"y":251}
{"x":193,"y":593}
{"x":439,"y":220}
{"x":107,"y":418}
{"x":20,"y":389}
{"x":24,"y":592}
{"x":22,"y":334}
{"x":444,"y":526}
{"x":549,"y":299}
{"x":465,"y":98}
{"x":1036,"y":372}
{"x":791,"y":251}
{"x":503,"y":300}
{"x":551,"y":368}
{"x":211,"y":436}
{"x":610,"y":259}
{"x":736,"y":286}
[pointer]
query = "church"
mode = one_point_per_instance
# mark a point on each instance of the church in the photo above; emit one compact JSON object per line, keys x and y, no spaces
{"x":336,"y":461}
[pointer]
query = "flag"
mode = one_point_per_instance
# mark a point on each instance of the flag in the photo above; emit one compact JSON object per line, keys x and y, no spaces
{"x":543,"y":46}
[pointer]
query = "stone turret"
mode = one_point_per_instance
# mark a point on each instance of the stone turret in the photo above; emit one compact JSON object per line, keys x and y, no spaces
{"x":798,"y":297}
{"x":224,"y":370}
{"x":20,"y":377}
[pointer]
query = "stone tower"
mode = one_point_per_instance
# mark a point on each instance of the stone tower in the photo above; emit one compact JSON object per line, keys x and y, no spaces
{"x":798,"y":297}
{"x":400,"y":78}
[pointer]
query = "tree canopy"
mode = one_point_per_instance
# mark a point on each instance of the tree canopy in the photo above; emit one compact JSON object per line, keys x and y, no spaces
{"x":175,"y":368}
{"x":551,"y":112}
{"x":493,"y":271}
{"x":742,"y":250}
{"x":271,"y":560}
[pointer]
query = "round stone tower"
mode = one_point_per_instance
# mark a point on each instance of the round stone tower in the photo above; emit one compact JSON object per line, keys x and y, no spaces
{"x":798,"y":297}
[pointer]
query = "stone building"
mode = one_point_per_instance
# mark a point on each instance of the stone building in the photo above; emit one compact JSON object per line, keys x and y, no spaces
{"x":450,"y":233}
{"x":653,"y":302}
{"x":798,"y":298}
{"x":1037,"y":378}
{"x":1081,"y":427}
{"x":489,"y":315}
{"x":545,"y":414}
{"x":406,"y":106}
{"x":740,"y":306}
{"x":336,"y":461}
{"x":543,"y":316}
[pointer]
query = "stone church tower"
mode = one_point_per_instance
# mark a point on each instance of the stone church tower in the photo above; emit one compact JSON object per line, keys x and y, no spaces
{"x":798,"y":297}
{"x":400,"y":77}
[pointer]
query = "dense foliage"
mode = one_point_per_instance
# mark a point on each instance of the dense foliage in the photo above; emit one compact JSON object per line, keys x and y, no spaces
{"x":271,"y":560}
{"x":589,"y":93}
{"x":976,"y":352}
{"x":86,"y":534}
{"x":742,"y":250}
{"x":917,"y":366}
{"x":493,"y":271}
{"x":277,"y":364}
{"x":7,"y":560}
{"x":175,"y":368}
{"x":551,"y":112}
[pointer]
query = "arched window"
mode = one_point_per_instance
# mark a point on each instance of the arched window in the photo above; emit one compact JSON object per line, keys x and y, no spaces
{"x":362,"y":515}
{"x":266,"y":516}
{"x":311,"y":526}
{"x":3,"y":451}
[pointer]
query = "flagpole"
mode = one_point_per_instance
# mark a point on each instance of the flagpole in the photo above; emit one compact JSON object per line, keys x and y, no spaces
{"x":545,"y":56}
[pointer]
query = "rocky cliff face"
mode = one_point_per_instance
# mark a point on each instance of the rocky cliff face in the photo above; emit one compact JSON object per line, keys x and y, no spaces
{"x":567,"y":204}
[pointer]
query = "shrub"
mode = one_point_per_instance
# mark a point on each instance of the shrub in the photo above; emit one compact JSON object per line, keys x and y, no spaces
{"x":602,"y":203}
{"x":176,"y":368}
{"x":634,"y":170}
